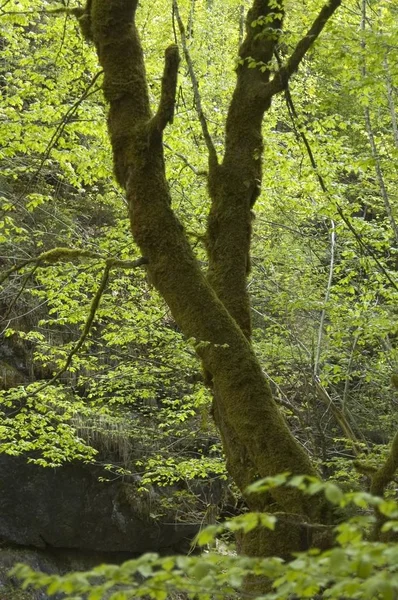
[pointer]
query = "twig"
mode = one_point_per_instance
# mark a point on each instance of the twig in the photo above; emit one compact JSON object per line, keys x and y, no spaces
{"x":372,"y":141}
{"x":18,"y":295}
{"x":185,"y":161}
{"x":284,"y":73}
{"x":301,"y":135}
{"x":57,"y":134}
{"x":390,"y":97}
{"x":327,"y":296}
{"x":93,"y":309}
{"x":338,"y":415}
{"x":198,"y":102}
{"x":347,"y":377}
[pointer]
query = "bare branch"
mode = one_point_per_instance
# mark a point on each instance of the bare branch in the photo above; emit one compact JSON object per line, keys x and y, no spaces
{"x":338,"y":415}
{"x":186,"y":161}
{"x":348,"y":222}
{"x":372,"y":142}
{"x":18,"y":295}
{"x":198,"y":102}
{"x":327,"y":297}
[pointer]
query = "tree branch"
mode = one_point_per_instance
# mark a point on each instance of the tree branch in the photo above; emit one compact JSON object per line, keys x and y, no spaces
{"x":89,"y":321}
{"x":66,"y":119}
{"x":198,"y":102}
{"x":300,"y":134}
{"x":282,"y":76}
{"x":109,"y":264}
{"x":70,"y":254}
{"x":165,"y":112}
{"x":385,"y":474}
{"x":185,"y":161}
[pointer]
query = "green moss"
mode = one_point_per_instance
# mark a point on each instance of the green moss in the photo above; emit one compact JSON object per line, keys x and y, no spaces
{"x":215,"y":312}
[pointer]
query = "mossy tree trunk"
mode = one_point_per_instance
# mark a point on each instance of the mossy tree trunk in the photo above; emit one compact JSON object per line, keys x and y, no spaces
{"x":212,"y":309}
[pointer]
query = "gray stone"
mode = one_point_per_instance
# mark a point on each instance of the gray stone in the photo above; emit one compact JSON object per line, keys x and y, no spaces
{"x":68,"y":507}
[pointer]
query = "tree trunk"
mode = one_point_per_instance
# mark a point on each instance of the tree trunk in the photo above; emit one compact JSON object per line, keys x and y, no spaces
{"x":212,"y":310}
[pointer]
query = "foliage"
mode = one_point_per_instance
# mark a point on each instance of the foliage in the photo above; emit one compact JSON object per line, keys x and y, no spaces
{"x":57,"y":189}
{"x":355,"y":567}
{"x":325,"y":348}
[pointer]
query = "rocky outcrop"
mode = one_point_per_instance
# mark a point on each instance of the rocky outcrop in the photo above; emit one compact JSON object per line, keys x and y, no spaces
{"x":58,"y":520}
{"x":70,"y":507}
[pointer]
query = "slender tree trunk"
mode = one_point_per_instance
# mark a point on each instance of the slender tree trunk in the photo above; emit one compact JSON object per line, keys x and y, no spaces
{"x":372,"y":141}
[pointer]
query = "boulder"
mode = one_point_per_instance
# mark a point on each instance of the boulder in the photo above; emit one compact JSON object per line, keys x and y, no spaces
{"x":70,"y":507}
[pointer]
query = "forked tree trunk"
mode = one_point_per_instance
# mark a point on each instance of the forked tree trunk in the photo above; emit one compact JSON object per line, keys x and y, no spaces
{"x":214,"y":310}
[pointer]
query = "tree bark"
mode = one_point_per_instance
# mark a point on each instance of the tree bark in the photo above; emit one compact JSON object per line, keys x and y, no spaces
{"x":212,"y":310}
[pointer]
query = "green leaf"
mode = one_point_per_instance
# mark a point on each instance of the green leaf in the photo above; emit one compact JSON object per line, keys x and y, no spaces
{"x":333,"y":493}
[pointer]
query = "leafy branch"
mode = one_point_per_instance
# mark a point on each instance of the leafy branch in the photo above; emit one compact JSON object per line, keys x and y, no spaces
{"x":70,"y":254}
{"x":109,"y":264}
{"x":282,"y":76}
{"x":57,"y":134}
{"x":301,"y":134}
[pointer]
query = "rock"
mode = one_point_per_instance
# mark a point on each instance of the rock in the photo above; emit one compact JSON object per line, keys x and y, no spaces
{"x":69,"y":507}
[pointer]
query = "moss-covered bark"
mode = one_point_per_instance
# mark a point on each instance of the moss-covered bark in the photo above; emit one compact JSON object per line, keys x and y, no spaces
{"x":379,"y":482}
{"x":214,"y":310}
{"x":235,"y":184}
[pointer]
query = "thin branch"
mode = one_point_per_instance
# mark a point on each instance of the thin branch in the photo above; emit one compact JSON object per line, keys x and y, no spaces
{"x":301,"y":135}
{"x":56,"y":135}
{"x":372,"y":141}
{"x":327,"y":296}
{"x":109,"y":264}
{"x":347,"y":377}
{"x":195,"y":85}
{"x":50,"y":257}
{"x":322,"y":393}
{"x":185,"y":161}
{"x":90,"y":318}
{"x":18,"y":295}
{"x":165,"y":112}
{"x":241,"y":23}
{"x":62,"y":10}
{"x":391,"y":101}
{"x":62,"y":40}
{"x":282,"y":76}
{"x":69,"y":254}
{"x":338,"y":415}
{"x":4,"y":5}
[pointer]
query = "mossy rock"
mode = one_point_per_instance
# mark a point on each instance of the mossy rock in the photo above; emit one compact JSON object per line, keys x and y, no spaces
{"x":10,"y":376}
